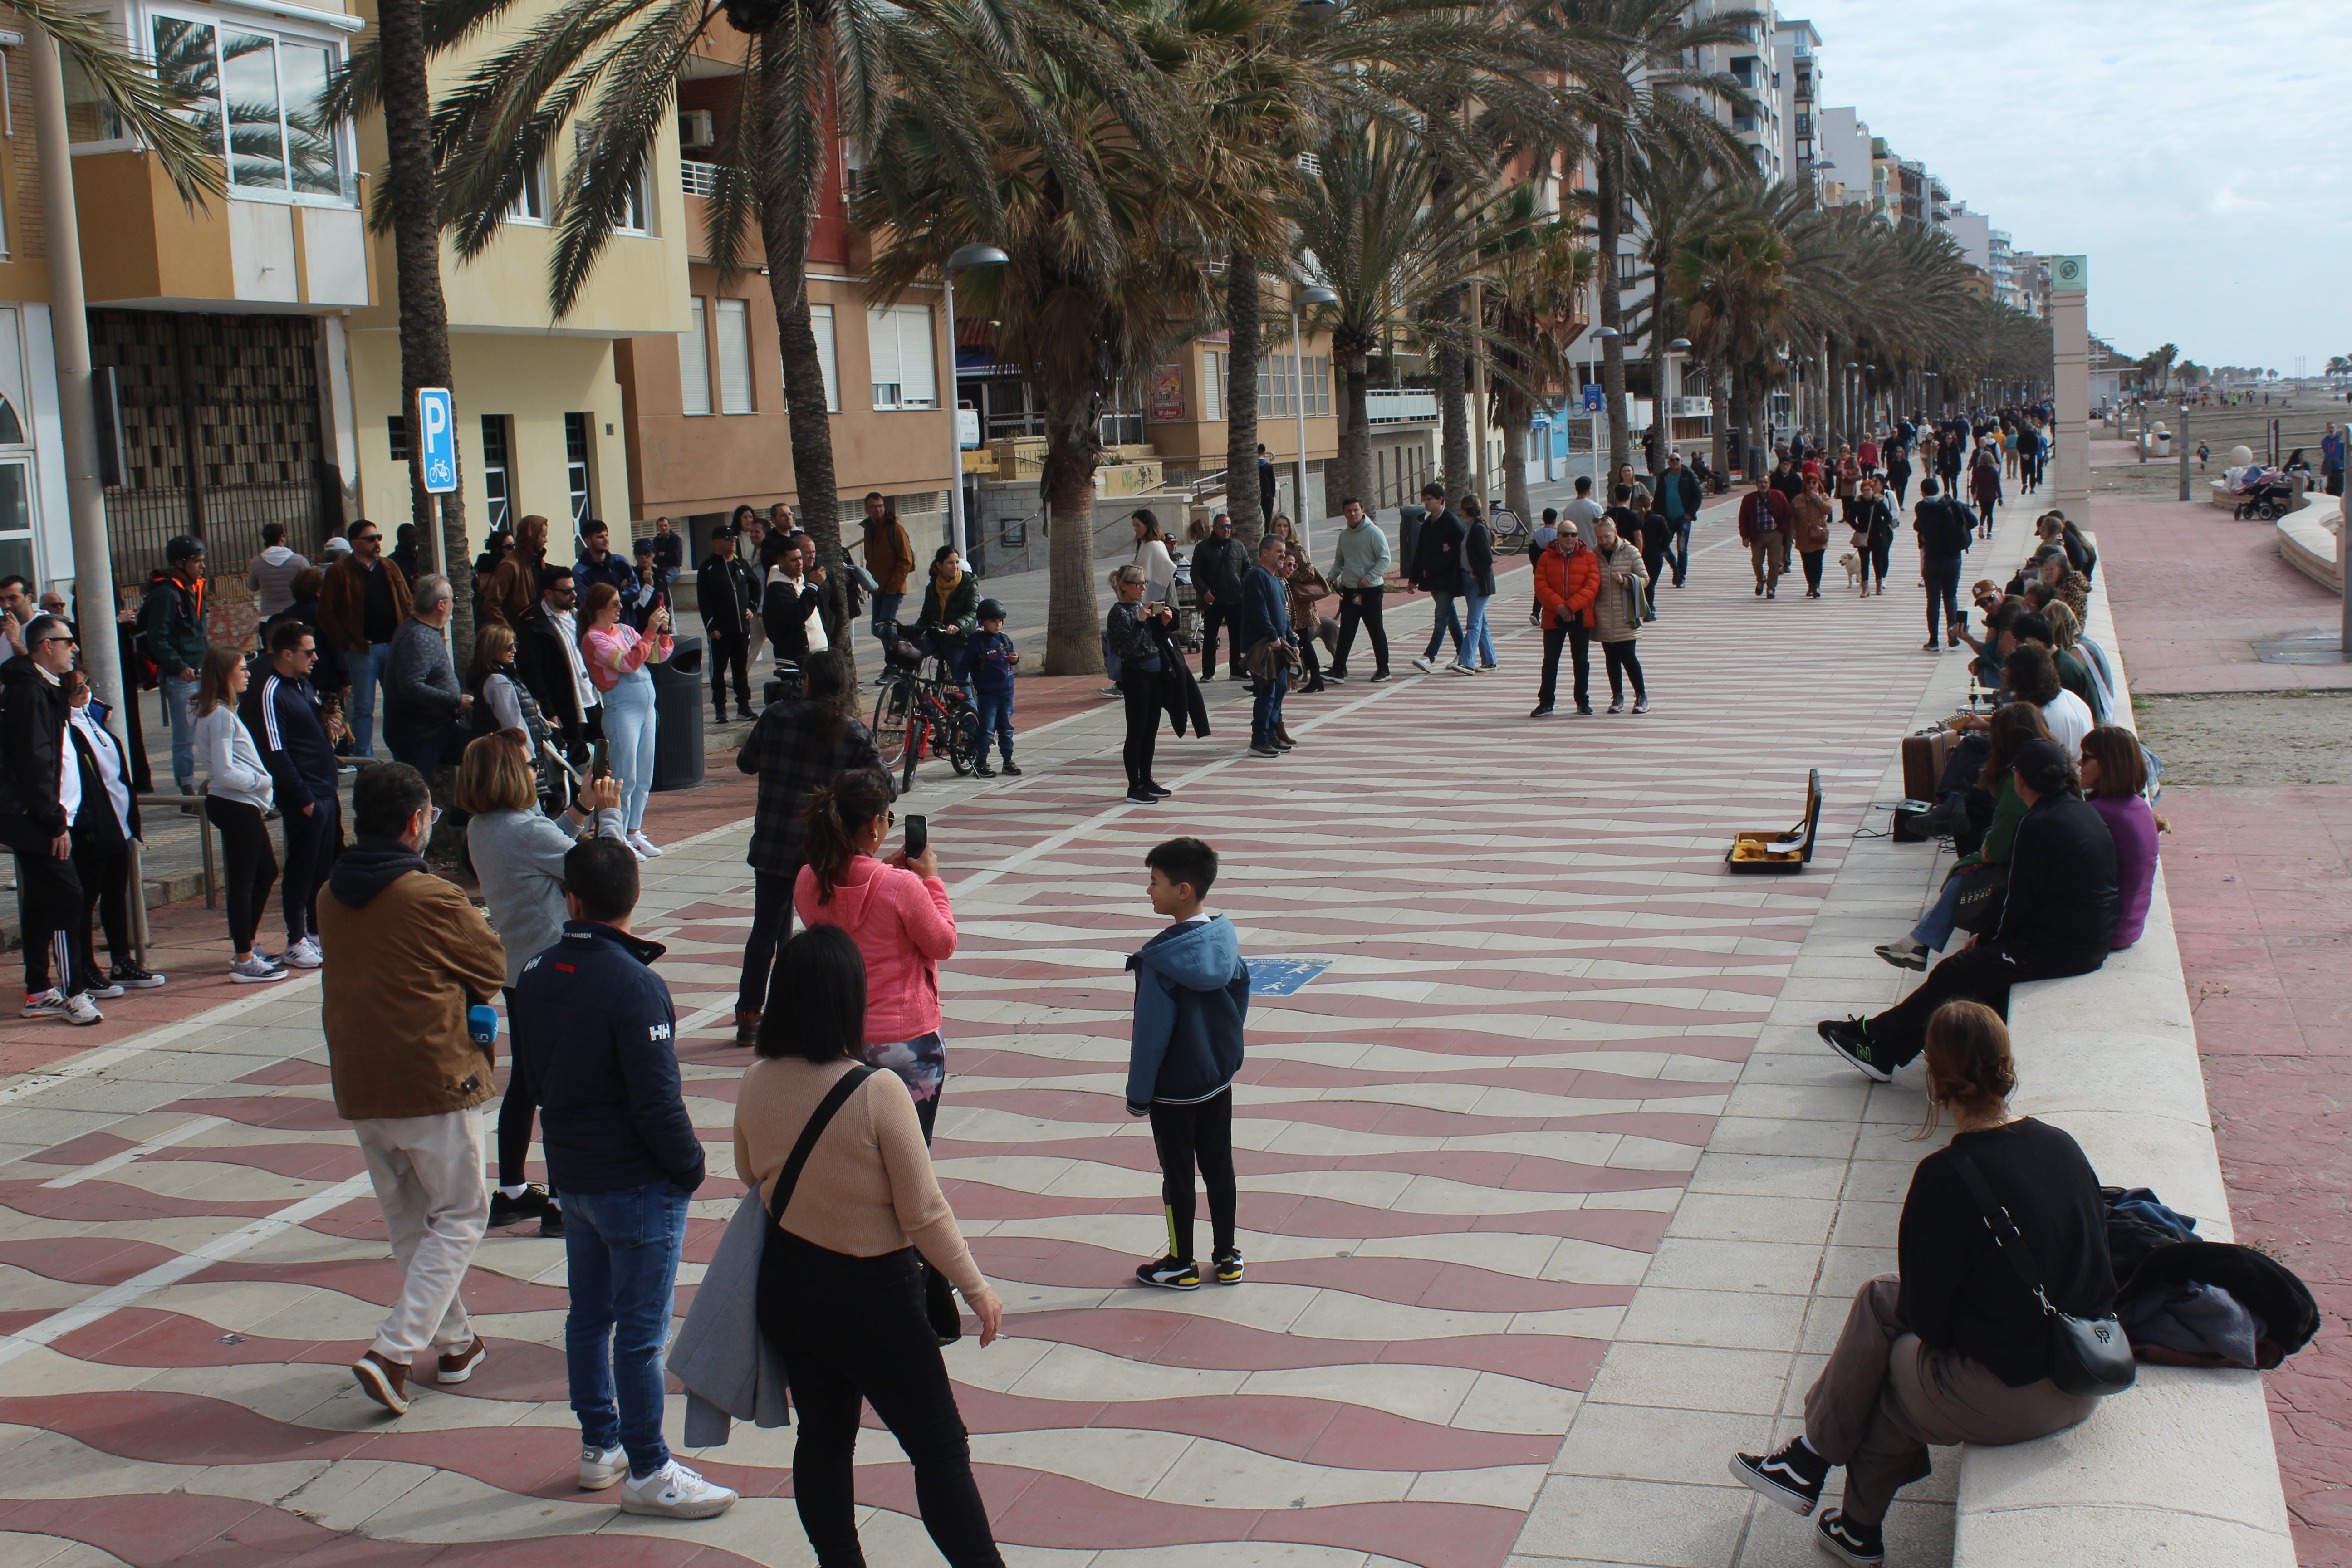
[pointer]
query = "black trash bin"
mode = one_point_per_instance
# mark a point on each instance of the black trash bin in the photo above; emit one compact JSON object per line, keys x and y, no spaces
{"x":678,"y":712}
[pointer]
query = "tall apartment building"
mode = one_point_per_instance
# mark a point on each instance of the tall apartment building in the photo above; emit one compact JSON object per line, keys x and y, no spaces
{"x":2004,"y":269}
{"x":1755,"y":64}
{"x":1850,"y":163}
{"x":1798,"y":82}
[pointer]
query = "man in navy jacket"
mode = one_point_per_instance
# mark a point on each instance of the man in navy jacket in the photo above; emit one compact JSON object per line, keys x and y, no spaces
{"x":282,"y":713}
{"x":1265,"y":618}
{"x":595,"y":1040}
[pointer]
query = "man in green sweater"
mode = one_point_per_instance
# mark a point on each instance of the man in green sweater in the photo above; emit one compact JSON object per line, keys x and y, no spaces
{"x":171,"y":624}
{"x":1359,"y":567}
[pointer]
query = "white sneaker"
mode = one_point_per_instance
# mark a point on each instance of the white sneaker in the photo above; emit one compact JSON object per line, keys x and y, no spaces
{"x":1425,"y":664}
{"x":643,"y":845}
{"x":257,"y":970}
{"x":305,"y":954}
{"x":80,"y":1010}
{"x":675,"y":1492}
{"x":1460,"y":669}
{"x":49,"y":1004}
{"x":600,"y":1467}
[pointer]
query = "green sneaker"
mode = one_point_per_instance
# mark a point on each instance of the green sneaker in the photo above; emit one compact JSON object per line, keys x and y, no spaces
{"x":1850,"y":1038}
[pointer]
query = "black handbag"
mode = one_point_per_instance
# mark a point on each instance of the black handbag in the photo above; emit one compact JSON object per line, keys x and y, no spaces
{"x":2087,"y":1355}
{"x":1984,"y":889}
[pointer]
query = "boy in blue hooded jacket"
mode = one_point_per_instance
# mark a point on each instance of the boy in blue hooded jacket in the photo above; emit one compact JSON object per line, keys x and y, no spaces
{"x":1192,"y":998}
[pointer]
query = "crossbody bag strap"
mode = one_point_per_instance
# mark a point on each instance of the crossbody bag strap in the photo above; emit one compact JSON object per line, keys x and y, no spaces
{"x":790,"y":1177}
{"x":1998,"y":1221}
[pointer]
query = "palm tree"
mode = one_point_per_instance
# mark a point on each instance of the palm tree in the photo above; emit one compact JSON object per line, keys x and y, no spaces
{"x":1673,"y":200}
{"x":1372,"y":224}
{"x":600,"y":82}
{"x":1536,"y":272}
{"x":1644,"y":102}
{"x":1085,"y":300}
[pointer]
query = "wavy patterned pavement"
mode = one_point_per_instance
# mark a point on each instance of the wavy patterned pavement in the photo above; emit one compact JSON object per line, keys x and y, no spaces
{"x":1460,"y":1142}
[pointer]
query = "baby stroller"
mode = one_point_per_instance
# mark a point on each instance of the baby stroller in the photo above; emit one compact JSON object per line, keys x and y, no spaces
{"x":1187,"y":602}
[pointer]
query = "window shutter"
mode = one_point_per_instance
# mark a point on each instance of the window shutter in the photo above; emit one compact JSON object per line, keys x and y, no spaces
{"x":918,"y":381}
{"x":882,"y":352}
{"x":821,"y":326}
{"x":734,"y":357}
{"x":694,"y":363}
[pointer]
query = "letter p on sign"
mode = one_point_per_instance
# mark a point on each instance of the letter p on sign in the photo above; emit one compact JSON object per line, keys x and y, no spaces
{"x":436,"y":435}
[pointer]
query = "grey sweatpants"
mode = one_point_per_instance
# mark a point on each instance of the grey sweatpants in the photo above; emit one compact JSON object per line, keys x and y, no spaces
{"x":1884,"y":1397}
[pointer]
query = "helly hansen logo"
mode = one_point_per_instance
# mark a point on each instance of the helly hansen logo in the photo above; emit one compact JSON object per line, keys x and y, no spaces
{"x":658,"y":1032}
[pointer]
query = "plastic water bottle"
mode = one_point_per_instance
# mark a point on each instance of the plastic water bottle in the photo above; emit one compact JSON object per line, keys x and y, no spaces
{"x":482,"y":1023}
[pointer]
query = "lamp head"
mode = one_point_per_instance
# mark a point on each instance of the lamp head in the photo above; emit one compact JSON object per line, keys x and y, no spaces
{"x":1317,"y":296}
{"x":977,"y":256}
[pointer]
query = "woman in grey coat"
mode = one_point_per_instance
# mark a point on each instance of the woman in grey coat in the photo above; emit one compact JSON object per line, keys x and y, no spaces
{"x":518,"y":851}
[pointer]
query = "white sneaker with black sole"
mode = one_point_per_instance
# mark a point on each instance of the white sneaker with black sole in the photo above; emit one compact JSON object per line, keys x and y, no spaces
{"x":601,"y":1468}
{"x":1425,"y":664}
{"x":675,"y":1492}
{"x":305,"y":954}
{"x":258,"y":971}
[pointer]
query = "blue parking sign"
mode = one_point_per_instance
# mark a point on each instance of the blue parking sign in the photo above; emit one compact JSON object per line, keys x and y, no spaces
{"x":437,"y":438}
{"x":1592,"y":398}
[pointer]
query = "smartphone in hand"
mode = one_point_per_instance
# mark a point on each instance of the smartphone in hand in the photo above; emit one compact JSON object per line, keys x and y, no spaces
{"x":918,"y":836}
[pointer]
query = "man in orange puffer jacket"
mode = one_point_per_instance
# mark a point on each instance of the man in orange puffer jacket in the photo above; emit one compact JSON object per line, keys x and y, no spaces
{"x":1568,"y":579}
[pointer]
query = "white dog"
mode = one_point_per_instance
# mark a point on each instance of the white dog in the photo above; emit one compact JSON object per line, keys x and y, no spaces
{"x":1854,"y":573}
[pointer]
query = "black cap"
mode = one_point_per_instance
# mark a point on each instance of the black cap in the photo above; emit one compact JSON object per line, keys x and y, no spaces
{"x":990,"y":610}
{"x":2040,"y":765}
{"x":182,"y":548}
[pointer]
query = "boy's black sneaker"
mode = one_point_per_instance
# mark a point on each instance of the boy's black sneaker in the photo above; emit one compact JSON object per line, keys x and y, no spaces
{"x":982,"y":770}
{"x":131,"y":977}
{"x":551,"y":1224}
{"x":1008,"y":770}
{"x":1791,"y":1475}
{"x":1171,"y":1274}
{"x":1903,"y":955}
{"x":1850,"y":1038}
{"x":1138,"y":797}
{"x":1841,"y":1537}
{"x":1154,"y":787}
{"x":529,"y":1204}
{"x":1543,"y":712}
{"x":1228,"y":1266}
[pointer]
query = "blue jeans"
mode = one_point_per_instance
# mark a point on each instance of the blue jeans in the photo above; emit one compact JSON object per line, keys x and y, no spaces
{"x":885,"y":613}
{"x":1679,"y":551}
{"x":620,"y":1252}
{"x":1442,"y":621}
{"x":630,"y":729}
{"x":1265,"y":706}
{"x":367,"y":670}
{"x":1477,"y":641}
{"x":1935,"y":927}
{"x":956,"y":658}
{"x":995,"y":719}
{"x":180,"y":713}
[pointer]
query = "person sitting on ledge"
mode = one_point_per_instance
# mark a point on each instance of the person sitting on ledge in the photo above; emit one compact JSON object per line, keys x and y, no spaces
{"x":1952,"y":1347}
{"x":2059,"y":918}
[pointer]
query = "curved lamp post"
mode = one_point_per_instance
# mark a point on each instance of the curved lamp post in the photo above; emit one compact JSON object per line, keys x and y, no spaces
{"x":968,"y":257}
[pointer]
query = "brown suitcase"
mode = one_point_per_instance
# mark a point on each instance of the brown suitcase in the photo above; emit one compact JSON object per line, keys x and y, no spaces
{"x":1923,"y":763}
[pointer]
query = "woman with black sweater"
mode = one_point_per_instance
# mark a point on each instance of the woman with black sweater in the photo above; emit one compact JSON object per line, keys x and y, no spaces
{"x":1953,"y":1348}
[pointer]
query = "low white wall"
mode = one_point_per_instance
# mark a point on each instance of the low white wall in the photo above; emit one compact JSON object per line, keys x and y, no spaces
{"x":2179,"y":1471}
{"x":2311,"y":546}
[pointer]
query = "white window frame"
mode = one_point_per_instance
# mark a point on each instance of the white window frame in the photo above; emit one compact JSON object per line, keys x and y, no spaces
{"x":643,"y":199}
{"x":828,"y":354}
{"x":142,"y":19}
{"x":736,"y":393}
{"x":530,"y":206}
{"x":893,"y":339}
{"x":694,"y":363}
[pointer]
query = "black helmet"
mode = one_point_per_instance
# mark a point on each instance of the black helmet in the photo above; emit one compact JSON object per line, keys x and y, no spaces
{"x":182,"y":548}
{"x":990,"y":610}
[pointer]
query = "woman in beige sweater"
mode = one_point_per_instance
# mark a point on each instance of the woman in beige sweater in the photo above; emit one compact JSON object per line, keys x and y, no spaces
{"x":840,"y":1296}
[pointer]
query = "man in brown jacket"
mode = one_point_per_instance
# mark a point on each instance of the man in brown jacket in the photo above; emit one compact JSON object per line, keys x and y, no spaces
{"x":890,"y":557}
{"x":362,"y":603}
{"x":406,"y":956}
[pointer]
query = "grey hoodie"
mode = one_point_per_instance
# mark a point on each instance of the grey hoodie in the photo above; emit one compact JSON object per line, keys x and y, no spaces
{"x":270,"y":575}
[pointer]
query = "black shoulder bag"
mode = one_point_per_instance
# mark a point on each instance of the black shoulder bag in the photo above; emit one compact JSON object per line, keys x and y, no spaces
{"x":2086,"y":1355}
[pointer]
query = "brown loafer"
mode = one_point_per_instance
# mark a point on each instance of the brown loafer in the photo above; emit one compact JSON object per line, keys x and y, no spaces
{"x":385,"y":1381}
{"x":459,"y":1367}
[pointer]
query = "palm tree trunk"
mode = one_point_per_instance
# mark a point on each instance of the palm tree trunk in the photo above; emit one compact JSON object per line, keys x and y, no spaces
{"x":1355,"y":440}
{"x":1660,"y":329}
{"x":1073,"y":624}
{"x":1609,"y":184}
{"x":1517,"y":419}
{"x":1719,"y":419}
{"x":417,"y":255}
{"x":1244,"y":349}
{"x":1453,"y":398}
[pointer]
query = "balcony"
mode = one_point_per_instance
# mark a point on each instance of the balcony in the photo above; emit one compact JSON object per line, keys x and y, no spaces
{"x":140,"y":243}
{"x":699,"y":179}
{"x":1400,"y":406}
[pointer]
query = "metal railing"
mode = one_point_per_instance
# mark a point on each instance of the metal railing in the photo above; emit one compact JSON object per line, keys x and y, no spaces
{"x":700,"y":179}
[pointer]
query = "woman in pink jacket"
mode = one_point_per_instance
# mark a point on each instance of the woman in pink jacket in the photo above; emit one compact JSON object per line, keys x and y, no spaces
{"x":897,"y":912}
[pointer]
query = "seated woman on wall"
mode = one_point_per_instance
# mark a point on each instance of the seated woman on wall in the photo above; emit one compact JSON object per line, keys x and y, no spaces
{"x":2059,"y":917}
{"x":2115,"y":776}
{"x":2011,"y":727}
{"x":1953,"y":1347}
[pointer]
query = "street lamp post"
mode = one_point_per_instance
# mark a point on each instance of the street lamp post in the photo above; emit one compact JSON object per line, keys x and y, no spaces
{"x":1315,"y":296}
{"x":2182,"y":439}
{"x":1675,"y":351}
{"x":968,"y":257}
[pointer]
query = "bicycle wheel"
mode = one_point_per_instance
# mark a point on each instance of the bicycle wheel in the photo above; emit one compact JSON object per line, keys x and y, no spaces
{"x":919,"y":730}
{"x":1504,"y":525}
{"x":892,"y":705}
{"x":964,"y":739}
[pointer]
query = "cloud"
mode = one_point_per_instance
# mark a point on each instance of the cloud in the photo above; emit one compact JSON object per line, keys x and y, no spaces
{"x":2206,"y":226}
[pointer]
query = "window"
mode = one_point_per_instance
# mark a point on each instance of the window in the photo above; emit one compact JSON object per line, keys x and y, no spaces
{"x":264,"y":88}
{"x":495,"y":485}
{"x":821,"y":326}
{"x":1629,"y":266}
{"x":637,"y":217}
{"x":575,"y":467}
{"x":734,"y":356}
{"x":694,"y":363}
{"x":904,"y":374}
{"x":1318,"y":387}
{"x":1212,"y":397}
{"x":530,"y":198}
{"x":398,"y":432}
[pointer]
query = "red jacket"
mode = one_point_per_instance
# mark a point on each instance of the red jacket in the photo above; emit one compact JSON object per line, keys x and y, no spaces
{"x":1568,"y":585}
{"x":1776,"y":506}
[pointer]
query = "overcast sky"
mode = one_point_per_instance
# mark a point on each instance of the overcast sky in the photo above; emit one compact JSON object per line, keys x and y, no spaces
{"x":2196,"y":152}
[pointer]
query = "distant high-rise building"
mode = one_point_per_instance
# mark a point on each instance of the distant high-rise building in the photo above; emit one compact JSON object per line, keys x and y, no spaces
{"x":1798,"y":82}
{"x":1755,"y":64}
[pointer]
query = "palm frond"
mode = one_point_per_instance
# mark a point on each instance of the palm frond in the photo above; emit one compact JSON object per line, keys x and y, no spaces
{"x":127,"y":86}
